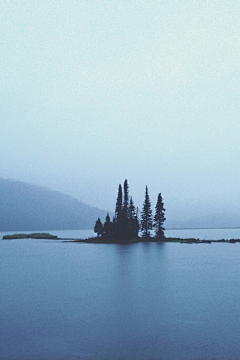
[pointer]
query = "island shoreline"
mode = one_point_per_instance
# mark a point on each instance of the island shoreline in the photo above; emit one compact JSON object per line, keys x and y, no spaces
{"x":96,"y":240}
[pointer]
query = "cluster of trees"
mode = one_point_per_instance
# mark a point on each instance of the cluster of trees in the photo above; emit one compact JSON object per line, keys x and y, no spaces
{"x":125,"y":225}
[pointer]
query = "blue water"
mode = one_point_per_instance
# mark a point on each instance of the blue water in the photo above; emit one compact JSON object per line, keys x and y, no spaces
{"x":139,"y":301}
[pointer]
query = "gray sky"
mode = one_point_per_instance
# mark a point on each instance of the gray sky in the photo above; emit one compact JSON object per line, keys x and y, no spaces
{"x":93,"y":92}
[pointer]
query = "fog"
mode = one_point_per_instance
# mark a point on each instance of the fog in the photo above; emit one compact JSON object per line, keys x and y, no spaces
{"x":96,"y":92}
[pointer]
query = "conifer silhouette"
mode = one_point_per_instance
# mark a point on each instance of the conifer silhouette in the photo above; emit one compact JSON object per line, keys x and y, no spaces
{"x":146,"y":216}
{"x":159,"y":218}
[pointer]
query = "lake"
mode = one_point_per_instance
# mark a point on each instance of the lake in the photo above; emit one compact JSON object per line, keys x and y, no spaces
{"x":109,"y":301}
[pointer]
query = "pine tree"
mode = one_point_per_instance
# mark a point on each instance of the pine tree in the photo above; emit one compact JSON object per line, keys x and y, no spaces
{"x":146,"y":216}
{"x":125,"y":212}
{"x":126,"y":194}
{"x":107,"y":227}
{"x":159,"y":218}
{"x":118,"y":212}
{"x":133,"y":220}
{"x":98,"y":228}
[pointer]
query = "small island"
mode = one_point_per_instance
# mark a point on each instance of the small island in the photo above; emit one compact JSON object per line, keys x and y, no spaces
{"x":127,"y":224}
{"x":31,"y":236}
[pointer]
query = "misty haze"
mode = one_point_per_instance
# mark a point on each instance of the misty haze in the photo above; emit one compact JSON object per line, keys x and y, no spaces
{"x":119,"y":150}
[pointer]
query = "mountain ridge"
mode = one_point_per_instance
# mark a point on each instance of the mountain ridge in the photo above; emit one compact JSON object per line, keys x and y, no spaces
{"x":25,"y":206}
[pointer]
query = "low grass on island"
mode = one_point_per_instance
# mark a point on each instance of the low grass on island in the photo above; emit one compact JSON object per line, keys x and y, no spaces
{"x":30,"y":236}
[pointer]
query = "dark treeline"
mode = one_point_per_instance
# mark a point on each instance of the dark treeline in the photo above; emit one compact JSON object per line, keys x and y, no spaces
{"x":126,"y":225}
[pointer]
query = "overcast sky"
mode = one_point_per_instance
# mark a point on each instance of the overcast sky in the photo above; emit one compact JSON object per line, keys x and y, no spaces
{"x":93,"y":92}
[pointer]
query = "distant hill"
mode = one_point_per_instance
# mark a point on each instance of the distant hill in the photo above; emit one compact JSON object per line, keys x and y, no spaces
{"x":25,"y":206}
{"x":220,"y":220}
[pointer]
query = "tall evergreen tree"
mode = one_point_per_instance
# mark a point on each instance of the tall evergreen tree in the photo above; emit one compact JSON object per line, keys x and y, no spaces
{"x":159,"y":218}
{"x":98,"y":228}
{"x":146,"y":216}
{"x":107,"y":227}
{"x":118,"y":212}
{"x":126,"y":194}
{"x":125,"y":212}
{"x":133,"y":220}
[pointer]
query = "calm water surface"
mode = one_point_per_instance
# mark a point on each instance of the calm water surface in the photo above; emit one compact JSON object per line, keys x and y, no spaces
{"x":139,"y":301}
